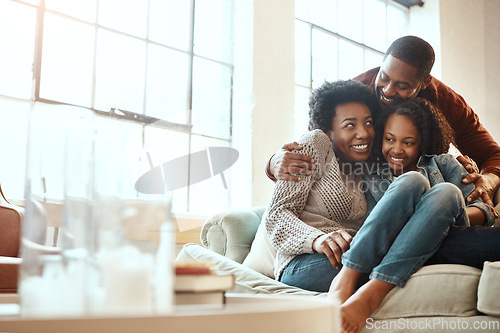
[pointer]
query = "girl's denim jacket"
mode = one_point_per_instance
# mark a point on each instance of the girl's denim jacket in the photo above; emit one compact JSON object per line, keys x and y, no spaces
{"x":437,"y":169}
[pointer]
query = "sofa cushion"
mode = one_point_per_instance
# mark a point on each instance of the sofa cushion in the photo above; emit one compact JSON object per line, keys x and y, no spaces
{"x":246,"y":280}
{"x":10,"y":222}
{"x":436,"y":290}
{"x":9,"y":270}
{"x":262,"y":254}
{"x":488,"y":291}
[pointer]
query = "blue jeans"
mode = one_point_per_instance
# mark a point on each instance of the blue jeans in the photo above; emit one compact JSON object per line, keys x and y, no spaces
{"x":312,"y":272}
{"x":405,"y":228}
{"x":470,"y":246}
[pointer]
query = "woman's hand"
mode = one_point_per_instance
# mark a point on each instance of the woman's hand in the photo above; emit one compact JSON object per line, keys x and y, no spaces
{"x":285,"y":163}
{"x":333,"y":245}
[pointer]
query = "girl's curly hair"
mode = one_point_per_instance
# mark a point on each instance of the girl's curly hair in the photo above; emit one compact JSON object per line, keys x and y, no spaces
{"x":434,"y":129}
{"x":329,"y":95}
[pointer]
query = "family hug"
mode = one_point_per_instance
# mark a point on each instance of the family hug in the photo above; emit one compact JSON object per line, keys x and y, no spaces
{"x":370,"y":194}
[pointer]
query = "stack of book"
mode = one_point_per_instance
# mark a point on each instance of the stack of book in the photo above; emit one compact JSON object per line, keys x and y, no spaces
{"x":197,"y":285}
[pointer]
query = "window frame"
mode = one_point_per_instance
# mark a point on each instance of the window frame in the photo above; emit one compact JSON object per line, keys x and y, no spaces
{"x":313,"y":26}
{"x":116,"y":112}
{"x":304,"y":82}
{"x":135,"y":116}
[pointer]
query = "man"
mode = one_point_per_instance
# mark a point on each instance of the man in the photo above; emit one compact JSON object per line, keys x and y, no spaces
{"x":405,"y":72}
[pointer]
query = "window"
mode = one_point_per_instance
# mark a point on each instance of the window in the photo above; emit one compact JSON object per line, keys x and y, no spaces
{"x":339,"y":39}
{"x":123,"y":55}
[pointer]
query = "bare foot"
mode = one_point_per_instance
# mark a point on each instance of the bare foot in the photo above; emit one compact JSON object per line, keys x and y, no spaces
{"x":343,"y":284}
{"x":359,"y":307}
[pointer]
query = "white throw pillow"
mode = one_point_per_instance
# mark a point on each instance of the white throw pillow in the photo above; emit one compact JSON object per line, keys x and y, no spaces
{"x":262,"y":254}
{"x":489,"y":288}
{"x":246,"y":280}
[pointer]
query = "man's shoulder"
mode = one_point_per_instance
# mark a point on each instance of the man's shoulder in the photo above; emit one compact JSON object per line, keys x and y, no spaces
{"x":440,"y":94}
{"x":437,"y":85}
{"x":367,"y":77}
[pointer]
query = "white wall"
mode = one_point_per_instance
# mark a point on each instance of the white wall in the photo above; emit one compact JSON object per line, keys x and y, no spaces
{"x":490,"y":116}
{"x":470,"y":40}
{"x":466,"y":37}
{"x":273,"y":86}
{"x":243,"y":103}
{"x":424,"y":23}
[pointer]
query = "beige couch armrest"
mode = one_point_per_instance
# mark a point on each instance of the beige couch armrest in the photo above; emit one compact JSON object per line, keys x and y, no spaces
{"x":231,"y":233}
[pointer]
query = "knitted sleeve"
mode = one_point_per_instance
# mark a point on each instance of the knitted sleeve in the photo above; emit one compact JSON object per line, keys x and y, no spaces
{"x":287,"y":233}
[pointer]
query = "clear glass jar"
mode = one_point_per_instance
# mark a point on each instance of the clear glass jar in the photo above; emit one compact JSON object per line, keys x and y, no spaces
{"x":58,"y":192}
{"x":91,"y":243}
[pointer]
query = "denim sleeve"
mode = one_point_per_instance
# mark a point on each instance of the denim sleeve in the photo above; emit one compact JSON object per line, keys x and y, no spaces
{"x":372,"y":190}
{"x":454,"y":172}
{"x":488,"y":213}
{"x":370,"y":202}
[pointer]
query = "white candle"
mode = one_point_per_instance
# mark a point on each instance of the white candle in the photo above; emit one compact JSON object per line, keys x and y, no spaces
{"x":127,"y":280}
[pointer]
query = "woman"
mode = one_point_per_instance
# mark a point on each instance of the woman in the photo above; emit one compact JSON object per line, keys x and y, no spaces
{"x":311,"y":223}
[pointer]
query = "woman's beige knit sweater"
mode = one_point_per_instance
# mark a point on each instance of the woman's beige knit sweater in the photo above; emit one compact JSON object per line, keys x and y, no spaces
{"x":323,"y":202}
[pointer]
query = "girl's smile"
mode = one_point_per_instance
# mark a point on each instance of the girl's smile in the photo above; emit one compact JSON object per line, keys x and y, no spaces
{"x":401,"y":144}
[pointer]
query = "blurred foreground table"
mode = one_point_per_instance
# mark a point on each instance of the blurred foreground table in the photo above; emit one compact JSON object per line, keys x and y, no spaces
{"x":242,"y":313}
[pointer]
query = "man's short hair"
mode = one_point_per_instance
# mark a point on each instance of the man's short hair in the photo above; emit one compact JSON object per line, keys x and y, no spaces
{"x":414,"y":51}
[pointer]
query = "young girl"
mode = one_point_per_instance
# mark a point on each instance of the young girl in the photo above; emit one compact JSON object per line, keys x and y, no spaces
{"x":420,"y":195}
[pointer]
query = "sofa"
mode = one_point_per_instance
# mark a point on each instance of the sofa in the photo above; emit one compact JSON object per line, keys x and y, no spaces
{"x":10,"y":236}
{"x":11,"y":218}
{"x":437,"y":298}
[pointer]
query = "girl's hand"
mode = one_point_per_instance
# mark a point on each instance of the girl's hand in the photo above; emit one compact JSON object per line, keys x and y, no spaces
{"x":333,"y":245}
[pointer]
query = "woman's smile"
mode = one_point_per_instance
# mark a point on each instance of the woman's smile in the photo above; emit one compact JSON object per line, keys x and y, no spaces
{"x":352,"y":132}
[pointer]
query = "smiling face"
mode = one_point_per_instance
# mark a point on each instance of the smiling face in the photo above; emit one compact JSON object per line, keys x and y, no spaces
{"x":352,"y":132}
{"x":396,"y":80}
{"x":401,"y":144}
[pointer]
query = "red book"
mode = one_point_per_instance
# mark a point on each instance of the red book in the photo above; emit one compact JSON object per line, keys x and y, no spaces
{"x":193,"y":267}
